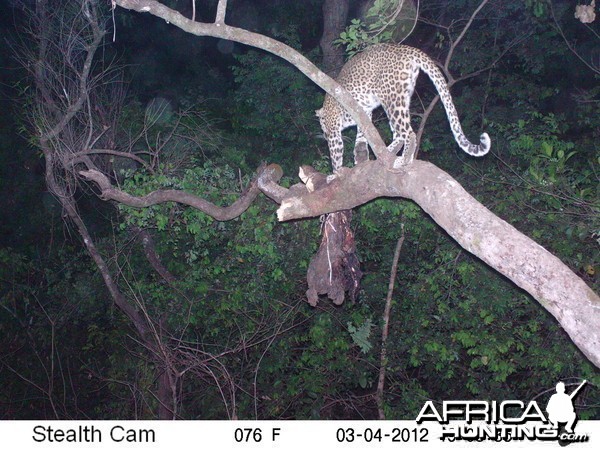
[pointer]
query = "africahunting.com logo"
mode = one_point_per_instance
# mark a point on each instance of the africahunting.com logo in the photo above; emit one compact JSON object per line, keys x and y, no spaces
{"x":510,"y":420}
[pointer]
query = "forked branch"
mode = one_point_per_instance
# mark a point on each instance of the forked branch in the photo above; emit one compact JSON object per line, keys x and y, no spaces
{"x":223,"y":31}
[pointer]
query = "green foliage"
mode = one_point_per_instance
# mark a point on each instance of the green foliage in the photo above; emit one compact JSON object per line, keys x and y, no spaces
{"x":385,"y":21}
{"x":561,"y":178}
{"x":360,"y":335}
{"x":540,"y":8}
{"x":539,"y":137}
{"x":243,"y":275}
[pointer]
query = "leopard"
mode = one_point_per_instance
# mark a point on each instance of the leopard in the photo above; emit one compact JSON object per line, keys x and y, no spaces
{"x":385,"y":75}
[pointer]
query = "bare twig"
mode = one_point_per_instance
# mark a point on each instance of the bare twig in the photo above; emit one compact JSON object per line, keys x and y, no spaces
{"x":71,"y":111}
{"x":462,"y":34}
{"x":570,"y":46}
{"x":76,"y":157}
{"x":450,"y":79}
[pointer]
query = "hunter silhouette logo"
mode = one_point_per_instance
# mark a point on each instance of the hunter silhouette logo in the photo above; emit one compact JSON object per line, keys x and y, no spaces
{"x":560,"y":408}
{"x":508,"y":420}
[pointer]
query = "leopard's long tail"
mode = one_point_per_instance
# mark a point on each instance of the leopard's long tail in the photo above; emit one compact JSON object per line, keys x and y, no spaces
{"x":438,"y":79}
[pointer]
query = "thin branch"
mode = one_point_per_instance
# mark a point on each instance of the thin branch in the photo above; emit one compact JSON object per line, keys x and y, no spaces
{"x":75,"y":107}
{"x":152,"y":255}
{"x":573,"y":50}
{"x":462,"y":33}
{"x":106,"y":151}
{"x":385,"y":327}
{"x":450,"y":79}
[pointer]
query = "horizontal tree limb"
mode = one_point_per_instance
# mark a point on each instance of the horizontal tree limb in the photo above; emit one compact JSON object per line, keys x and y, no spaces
{"x":109,"y":192}
{"x":531,"y":267}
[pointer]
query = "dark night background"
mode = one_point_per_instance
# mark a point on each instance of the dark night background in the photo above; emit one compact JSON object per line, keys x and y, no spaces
{"x":228,"y":307}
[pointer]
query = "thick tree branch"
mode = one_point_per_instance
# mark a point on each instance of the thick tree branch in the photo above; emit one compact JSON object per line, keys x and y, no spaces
{"x":335,"y":14}
{"x":223,"y":31}
{"x":109,"y":192}
{"x":475,"y":228}
{"x":221,"y":10}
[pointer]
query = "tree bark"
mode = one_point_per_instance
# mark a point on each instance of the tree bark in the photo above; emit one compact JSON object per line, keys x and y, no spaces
{"x":335,"y":14}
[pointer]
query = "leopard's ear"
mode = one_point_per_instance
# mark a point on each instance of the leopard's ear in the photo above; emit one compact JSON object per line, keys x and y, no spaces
{"x":319,"y":113}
